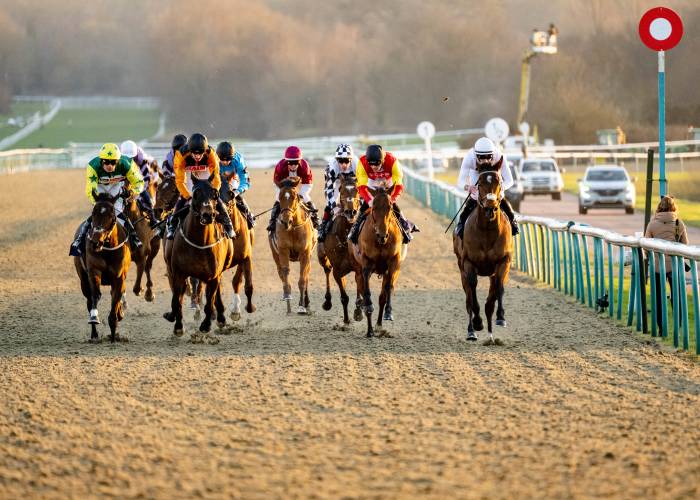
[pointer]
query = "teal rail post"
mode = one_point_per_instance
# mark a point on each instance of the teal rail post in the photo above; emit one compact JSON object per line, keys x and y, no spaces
{"x":632,"y":299}
{"x":584,"y":248}
{"x":674,"y":299}
{"x":652,"y":288}
{"x":548,"y":253}
{"x":536,"y":245}
{"x":530,"y":265}
{"x":611,"y":294}
{"x":640,"y":301}
{"x":578,"y":269}
{"x":565,"y":261}
{"x":555,"y":259}
{"x":571,"y":263}
{"x":620,"y":279}
{"x":683,"y":302}
{"x":662,"y":293}
{"x":696,"y":305}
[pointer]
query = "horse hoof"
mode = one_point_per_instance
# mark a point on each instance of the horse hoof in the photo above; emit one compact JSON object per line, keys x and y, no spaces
{"x":95,"y":340}
{"x":472,"y":336}
{"x":250,"y":309}
{"x":327,"y":306}
{"x":210,"y":339}
{"x":220,"y":324}
{"x":489,"y":341}
{"x":478,"y":324}
{"x":94,"y":321}
{"x":286,"y":297}
{"x":197,"y":315}
{"x":388,"y":316}
{"x":193,"y":306}
{"x":120,"y":315}
{"x":501,"y":322}
{"x":149,"y":295}
{"x":235,"y":316}
{"x":370,"y":335}
{"x":137,"y":291}
{"x":357,"y":315}
{"x":178,"y":332}
{"x":125,"y":306}
{"x":169,"y":316}
{"x":123,"y":339}
{"x":301,"y":310}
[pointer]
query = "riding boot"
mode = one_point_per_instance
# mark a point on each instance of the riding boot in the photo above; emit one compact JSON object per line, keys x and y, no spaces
{"x":174,"y":219}
{"x":355,"y":229}
{"x":406,"y":227}
{"x":273,"y":216}
{"x":78,"y":245}
{"x":225,"y":218}
{"x":325,"y":224}
{"x":468,"y":209}
{"x":313,"y":211}
{"x":146,"y":205}
{"x":245,"y":210}
{"x":134,"y":239}
{"x":508,"y":210}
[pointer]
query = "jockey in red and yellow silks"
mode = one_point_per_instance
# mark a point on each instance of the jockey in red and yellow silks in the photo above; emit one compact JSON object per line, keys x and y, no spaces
{"x":377,"y":169}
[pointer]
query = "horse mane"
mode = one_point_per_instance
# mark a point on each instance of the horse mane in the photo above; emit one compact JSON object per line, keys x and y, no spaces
{"x":104,"y":197}
{"x":287,"y":183}
{"x":349,"y":177}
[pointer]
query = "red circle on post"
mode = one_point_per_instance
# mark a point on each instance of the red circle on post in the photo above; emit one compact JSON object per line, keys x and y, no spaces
{"x":660,"y":28}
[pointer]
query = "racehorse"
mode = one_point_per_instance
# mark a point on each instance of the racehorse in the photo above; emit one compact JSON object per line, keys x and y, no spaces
{"x":379,"y":250}
{"x":105,"y":262}
{"x":333,"y":254}
{"x":485,"y":250}
{"x":166,"y":197}
{"x":293,"y":240}
{"x":143,"y":257}
{"x":201,"y":250}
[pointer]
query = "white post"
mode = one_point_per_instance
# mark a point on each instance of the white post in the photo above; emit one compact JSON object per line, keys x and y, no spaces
{"x":429,"y":155}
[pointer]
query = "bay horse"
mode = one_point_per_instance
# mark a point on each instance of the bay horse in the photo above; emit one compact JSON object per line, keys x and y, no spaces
{"x":293,"y":240}
{"x":201,"y":250}
{"x":167,"y":195}
{"x":333,"y":254}
{"x":105,"y":262}
{"x":379,"y":250}
{"x":485,"y":250}
{"x":144,"y":256}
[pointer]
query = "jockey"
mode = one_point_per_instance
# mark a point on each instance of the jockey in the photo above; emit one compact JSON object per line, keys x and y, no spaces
{"x":197,"y":160}
{"x":484,"y":154}
{"x":234,"y":178}
{"x":177,"y":143}
{"x":343,"y":163}
{"x":293,"y":165}
{"x":116,"y":175}
{"x":377,"y":168}
{"x":143,"y":161}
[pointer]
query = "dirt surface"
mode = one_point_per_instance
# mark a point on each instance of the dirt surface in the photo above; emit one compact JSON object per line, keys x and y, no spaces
{"x":291,"y":406}
{"x":605,"y":218}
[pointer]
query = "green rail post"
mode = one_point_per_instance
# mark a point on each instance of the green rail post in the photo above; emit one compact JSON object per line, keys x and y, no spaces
{"x":584,"y":245}
{"x":620,"y":279}
{"x":696,"y":305}
{"x":641,"y":292}
{"x":555,"y":260}
{"x":632,"y":298}
{"x":683,"y":309}
{"x":548,"y":255}
{"x":662,"y":292}
{"x":571,"y":263}
{"x":536,"y":245}
{"x":611,"y":293}
{"x":674,"y":300}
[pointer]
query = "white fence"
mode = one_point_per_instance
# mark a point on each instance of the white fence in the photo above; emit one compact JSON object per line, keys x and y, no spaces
{"x":37,"y":121}
{"x":79,"y":102}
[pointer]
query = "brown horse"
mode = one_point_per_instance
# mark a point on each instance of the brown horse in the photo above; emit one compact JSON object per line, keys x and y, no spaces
{"x":293,"y":240}
{"x":167,"y":195}
{"x":143,"y":257}
{"x":485,"y":250}
{"x":333,"y":254}
{"x":105,"y":262}
{"x":379,"y":250}
{"x":201,"y":250}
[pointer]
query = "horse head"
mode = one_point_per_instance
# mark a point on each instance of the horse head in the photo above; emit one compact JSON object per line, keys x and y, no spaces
{"x":381,"y":213}
{"x":104,"y":219}
{"x":349,"y":199}
{"x":203,"y":204}
{"x":289,"y":201}
{"x":489,"y":192}
{"x":166,"y":195}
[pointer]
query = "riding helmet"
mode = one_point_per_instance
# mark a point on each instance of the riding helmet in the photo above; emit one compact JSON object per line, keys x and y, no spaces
{"x":225,"y":151}
{"x":292,"y":153}
{"x":197,"y":143}
{"x":110,"y":151}
{"x":374,"y":154}
{"x":129,"y":148}
{"x":343,"y":151}
{"x":484,"y":146}
{"x":178,"y":141}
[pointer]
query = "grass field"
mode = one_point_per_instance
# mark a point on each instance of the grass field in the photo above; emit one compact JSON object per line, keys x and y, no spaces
{"x":94,"y":125}
{"x":24,"y":109}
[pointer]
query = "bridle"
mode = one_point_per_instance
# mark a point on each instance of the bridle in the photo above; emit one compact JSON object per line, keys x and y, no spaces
{"x":292,"y":211}
{"x":489,"y":196}
{"x":198,"y":214}
{"x":107,"y":232}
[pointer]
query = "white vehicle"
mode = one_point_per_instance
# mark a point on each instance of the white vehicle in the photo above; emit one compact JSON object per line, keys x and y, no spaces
{"x":541,"y":176}
{"x":606,"y":186}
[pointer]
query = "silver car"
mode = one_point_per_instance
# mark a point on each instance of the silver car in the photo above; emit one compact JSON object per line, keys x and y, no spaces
{"x":606,"y":186}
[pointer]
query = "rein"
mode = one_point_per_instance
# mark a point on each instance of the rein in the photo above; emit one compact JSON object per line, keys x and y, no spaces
{"x":112,"y":249}
{"x":303,"y":223}
{"x":199,"y":247}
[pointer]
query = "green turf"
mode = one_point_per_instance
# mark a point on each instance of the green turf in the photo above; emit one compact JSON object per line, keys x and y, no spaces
{"x":94,"y":125}
{"x":24,"y":109}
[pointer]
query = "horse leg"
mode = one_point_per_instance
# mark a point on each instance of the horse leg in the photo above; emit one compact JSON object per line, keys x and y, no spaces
{"x":327,"y":304}
{"x":155,"y":246}
{"x":390,"y":278}
{"x":139,"y":275}
{"x":473,"y":281}
{"x":236,"y":282}
{"x":283,"y":271}
{"x":94,"y":281}
{"x":359,"y":291}
{"x":248,"y":276}
{"x":491,"y":303}
{"x":366,"y":274}
{"x":220,"y":309}
{"x":304,"y":268}
{"x":118,"y":288}
{"x":344,"y":298}
{"x":469,"y":285}
{"x":212,"y":286}
{"x":179,"y":284}
{"x":196,"y":299}
{"x":502,"y":276}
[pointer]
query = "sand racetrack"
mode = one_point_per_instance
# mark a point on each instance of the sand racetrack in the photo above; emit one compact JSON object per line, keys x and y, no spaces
{"x":571,"y":406}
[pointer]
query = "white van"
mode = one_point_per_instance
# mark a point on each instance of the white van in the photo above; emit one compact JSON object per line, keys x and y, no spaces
{"x":541,"y":176}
